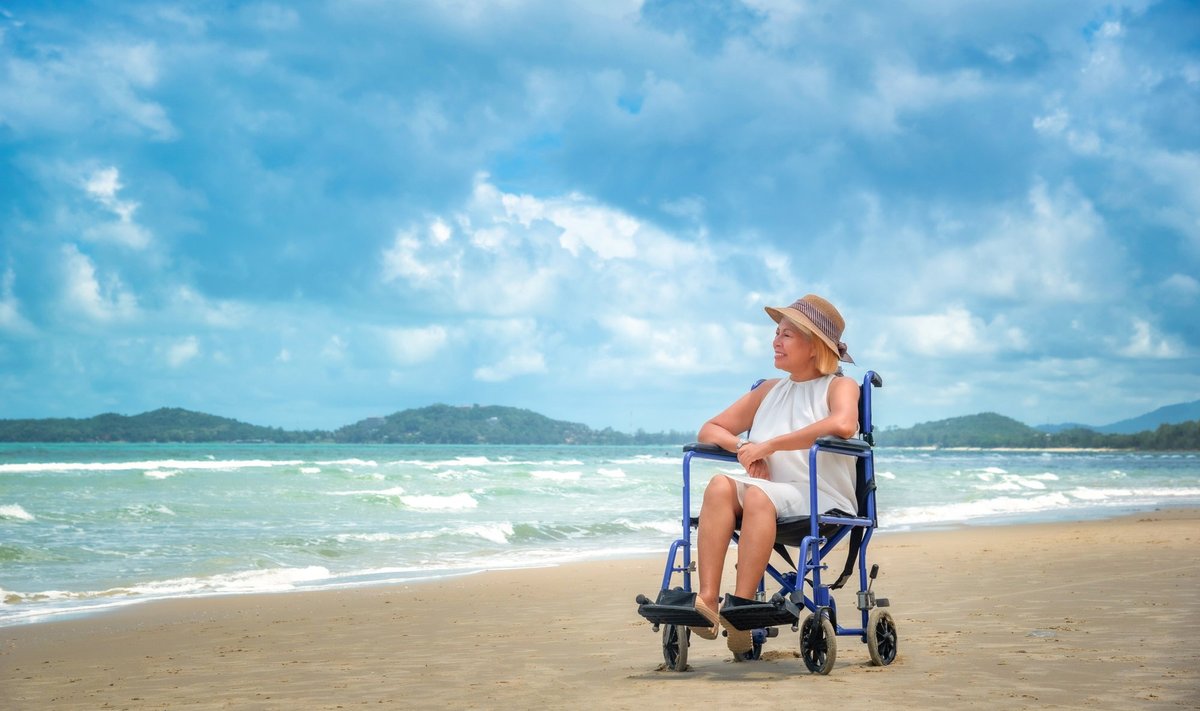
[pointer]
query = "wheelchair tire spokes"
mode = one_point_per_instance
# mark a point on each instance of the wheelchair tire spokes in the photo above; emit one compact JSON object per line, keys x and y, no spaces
{"x":676,"y":639}
{"x":818,"y":643}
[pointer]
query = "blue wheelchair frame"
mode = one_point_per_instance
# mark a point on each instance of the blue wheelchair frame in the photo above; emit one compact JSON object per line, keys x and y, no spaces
{"x":675,"y":607}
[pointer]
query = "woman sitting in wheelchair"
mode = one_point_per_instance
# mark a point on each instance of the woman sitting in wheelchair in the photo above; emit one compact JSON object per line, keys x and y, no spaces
{"x":783,"y":418}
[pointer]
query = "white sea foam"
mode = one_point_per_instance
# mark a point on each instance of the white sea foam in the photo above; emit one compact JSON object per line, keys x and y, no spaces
{"x":310,"y":470}
{"x":454,"y":502}
{"x":352,"y":462}
{"x":885,"y":475}
{"x":14,"y":512}
{"x":1016,"y":482}
{"x":556,"y":475}
{"x":496,"y":533}
{"x":968,"y":511}
{"x":161,"y":473}
{"x":1085,"y":493}
{"x":617,"y":473}
{"x":394,"y":491}
{"x":213,"y":464}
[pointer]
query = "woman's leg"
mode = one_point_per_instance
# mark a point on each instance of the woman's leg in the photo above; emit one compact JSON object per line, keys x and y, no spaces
{"x":717,"y":519}
{"x":756,"y":541}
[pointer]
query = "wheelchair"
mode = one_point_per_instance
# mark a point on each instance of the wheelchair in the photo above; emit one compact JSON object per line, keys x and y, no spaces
{"x":816,"y":535}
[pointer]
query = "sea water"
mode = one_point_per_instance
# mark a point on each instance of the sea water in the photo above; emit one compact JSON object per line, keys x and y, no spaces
{"x":84,"y":527}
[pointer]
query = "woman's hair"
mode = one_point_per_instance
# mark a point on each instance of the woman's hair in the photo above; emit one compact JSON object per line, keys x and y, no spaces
{"x":827,"y":358}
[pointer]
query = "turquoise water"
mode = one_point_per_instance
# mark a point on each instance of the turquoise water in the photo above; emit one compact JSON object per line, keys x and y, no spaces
{"x":83,"y":527}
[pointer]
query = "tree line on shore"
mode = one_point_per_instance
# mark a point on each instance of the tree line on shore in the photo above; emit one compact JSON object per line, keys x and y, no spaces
{"x":435,"y":424}
{"x":446,"y":424}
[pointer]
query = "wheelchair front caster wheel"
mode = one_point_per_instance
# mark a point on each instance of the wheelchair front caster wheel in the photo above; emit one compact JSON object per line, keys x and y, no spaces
{"x":818,"y":644}
{"x":755,"y":651}
{"x":881,"y":638}
{"x":675,"y":639}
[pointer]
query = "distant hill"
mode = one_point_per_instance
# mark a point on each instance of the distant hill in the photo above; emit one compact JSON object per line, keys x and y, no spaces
{"x":984,"y":430}
{"x":446,"y":424}
{"x":168,"y":424}
{"x":1168,"y":415}
{"x":990,"y":430}
{"x":436,"y":424}
{"x":493,"y":424}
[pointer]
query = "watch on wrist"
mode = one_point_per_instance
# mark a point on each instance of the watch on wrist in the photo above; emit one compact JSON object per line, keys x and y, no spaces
{"x":741,"y":441}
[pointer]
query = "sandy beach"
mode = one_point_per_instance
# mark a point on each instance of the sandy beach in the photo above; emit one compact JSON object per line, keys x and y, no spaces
{"x":1096,"y":615}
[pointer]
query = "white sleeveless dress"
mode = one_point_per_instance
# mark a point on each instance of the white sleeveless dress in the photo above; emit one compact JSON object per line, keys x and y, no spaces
{"x":788,"y":407}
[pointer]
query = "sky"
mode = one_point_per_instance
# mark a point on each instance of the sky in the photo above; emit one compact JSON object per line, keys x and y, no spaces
{"x":304,"y":214}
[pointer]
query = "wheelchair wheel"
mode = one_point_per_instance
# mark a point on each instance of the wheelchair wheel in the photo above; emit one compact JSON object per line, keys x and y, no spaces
{"x":755,"y":651}
{"x":881,"y":638}
{"x":818,"y":644}
{"x":675,"y":646}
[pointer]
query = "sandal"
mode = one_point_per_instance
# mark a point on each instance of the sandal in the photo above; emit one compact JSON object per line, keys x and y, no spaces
{"x":738,"y":641}
{"x":711,"y":631}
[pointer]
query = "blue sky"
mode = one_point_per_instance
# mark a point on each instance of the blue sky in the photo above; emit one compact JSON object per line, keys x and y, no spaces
{"x":304,"y":214}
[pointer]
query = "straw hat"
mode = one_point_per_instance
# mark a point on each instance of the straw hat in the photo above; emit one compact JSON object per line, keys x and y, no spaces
{"x":820,"y":317}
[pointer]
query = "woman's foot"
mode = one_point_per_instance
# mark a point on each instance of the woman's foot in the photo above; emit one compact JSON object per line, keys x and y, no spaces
{"x":711,"y":615}
{"x":738,"y":641}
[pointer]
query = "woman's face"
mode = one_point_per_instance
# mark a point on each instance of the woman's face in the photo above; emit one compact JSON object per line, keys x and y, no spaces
{"x":793,"y":347}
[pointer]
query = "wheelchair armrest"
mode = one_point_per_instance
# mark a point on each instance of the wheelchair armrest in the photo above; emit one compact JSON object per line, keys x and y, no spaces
{"x":831,"y":442}
{"x":709,"y":449}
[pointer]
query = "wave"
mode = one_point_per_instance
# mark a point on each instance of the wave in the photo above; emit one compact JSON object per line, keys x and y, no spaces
{"x":148,"y":466}
{"x":1079,"y":498}
{"x":14,"y":512}
{"x":555,"y":475}
{"x":429,"y":502}
{"x":160,"y":473}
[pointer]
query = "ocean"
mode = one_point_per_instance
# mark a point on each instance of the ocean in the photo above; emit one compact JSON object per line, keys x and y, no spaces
{"x":85,"y":527}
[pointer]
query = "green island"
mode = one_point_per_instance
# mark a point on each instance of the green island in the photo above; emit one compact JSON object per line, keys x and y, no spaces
{"x":435,"y":424}
{"x":475,"y":424}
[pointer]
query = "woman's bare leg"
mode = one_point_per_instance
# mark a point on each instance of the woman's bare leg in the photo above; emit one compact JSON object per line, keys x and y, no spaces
{"x":717,"y":519}
{"x":755,"y":543}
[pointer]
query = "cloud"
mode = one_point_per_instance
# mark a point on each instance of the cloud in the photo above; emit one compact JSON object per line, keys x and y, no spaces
{"x":180,"y":352}
{"x":954,"y":333}
{"x":11,"y":320}
{"x":409,"y":346}
{"x":1145,"y":343}
{"x":102,"y":186}
{"x":84,"y":294}
{"x":511,"y":366}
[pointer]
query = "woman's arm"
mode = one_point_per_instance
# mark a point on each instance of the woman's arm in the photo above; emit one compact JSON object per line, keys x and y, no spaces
{"x":841,"y":422}
{"x":725,"y":429}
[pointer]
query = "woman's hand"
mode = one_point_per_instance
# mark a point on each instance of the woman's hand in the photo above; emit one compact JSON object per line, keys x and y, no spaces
{"x":753,"y":458}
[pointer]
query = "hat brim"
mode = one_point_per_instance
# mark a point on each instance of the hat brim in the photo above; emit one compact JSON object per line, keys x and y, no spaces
{"x":777,"y":313}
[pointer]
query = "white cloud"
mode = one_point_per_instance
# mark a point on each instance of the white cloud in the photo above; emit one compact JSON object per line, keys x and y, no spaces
{"x":954,"y":332}
{"x":83,"y":292}
{"x":409,"y":346}
{"x":511,"y":366}
{"x":1184,"y":286}
{"x":1144,"y":343}
{"x":102,"y":186}
{"x":183,"y":351}
{"x":11,"y":319}
{"x":335,"y":349}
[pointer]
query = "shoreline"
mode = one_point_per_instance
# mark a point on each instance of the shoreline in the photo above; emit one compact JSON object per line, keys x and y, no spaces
{"x":1093,"y":614}
{"x":105,"y":604}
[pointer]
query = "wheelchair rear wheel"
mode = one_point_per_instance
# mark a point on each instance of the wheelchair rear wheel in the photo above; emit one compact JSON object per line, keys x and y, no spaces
{"x":881,"y":638}
{"x":818,"y":644}
{"x":675,"y":646}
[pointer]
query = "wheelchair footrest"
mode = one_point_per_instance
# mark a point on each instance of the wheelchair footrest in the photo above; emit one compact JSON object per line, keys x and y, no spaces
{"x":674,"y":607}
{"x":747,"y":614}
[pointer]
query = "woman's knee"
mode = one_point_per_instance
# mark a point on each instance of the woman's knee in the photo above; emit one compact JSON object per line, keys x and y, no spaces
{"x":721,"y":490}
{"x":757,"y":503}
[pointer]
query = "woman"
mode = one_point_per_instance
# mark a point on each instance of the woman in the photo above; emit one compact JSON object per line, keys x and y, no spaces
{"x":783,"y":417}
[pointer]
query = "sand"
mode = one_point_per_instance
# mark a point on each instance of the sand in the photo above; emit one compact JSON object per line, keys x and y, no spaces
{"x":1095,"y":615}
